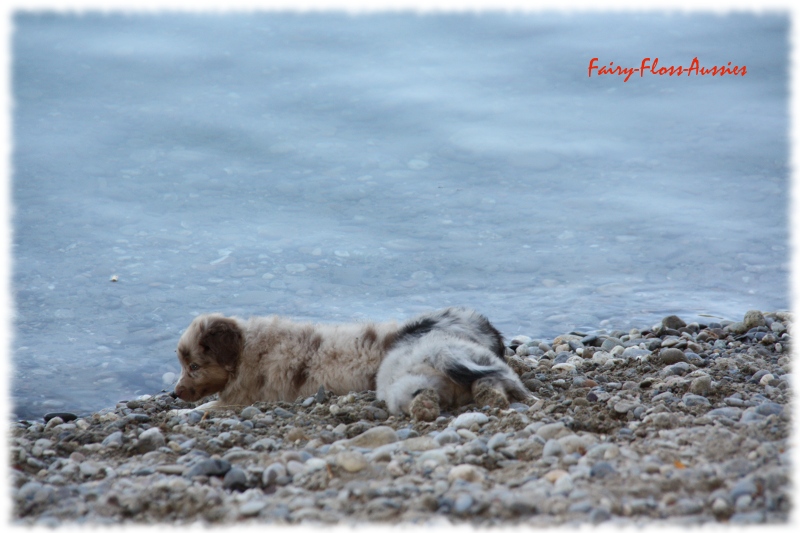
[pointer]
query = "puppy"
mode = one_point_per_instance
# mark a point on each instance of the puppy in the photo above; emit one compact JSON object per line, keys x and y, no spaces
{"x":272,"y":358}
{"x":447,"y":358}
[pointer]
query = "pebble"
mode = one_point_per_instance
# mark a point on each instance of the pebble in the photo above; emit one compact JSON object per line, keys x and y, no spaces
{"x":466,"y":472}
{"x":552,"y":448}
{"x":694,"y":400}
{"x":208,"y":467}
{"x":250,"y":412}
{"x":235,"y":479}
{"x":673,"y":322}
{"x":753,"y":319}
{"x":283,"y":413}
{"x":670,"y":356}
{"x":373,"y":437}
{"x":351,"y":461}
{"x":272,"y":473}
{"x":252,"y":507}
{"x":602,"y":469}
{"x":467,"y":420}
{"x":701,"y":385}
{"x":150,"y":440}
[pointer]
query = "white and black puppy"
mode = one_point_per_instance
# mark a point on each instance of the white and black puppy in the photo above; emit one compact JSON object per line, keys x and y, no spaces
{"x":447,"y":358}
{"x":450,"y":356}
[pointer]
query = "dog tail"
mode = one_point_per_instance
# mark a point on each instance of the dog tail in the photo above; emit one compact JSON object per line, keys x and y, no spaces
{"x":465,"y":374}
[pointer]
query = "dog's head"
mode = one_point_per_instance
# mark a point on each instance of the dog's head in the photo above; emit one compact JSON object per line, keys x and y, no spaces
{"x":209,"y":353}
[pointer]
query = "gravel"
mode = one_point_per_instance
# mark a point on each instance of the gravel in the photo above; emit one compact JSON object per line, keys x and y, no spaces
{"x":675,"y":424}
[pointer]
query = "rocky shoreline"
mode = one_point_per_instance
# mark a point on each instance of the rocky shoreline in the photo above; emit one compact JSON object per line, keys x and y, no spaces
{"x":673,"y":424}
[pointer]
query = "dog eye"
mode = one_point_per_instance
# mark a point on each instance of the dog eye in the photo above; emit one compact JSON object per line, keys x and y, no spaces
{"x":193,"y":367}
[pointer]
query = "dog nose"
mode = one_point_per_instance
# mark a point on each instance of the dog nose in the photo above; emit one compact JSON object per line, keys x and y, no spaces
{"x":177,"y":392}
{"x":173,"y":394}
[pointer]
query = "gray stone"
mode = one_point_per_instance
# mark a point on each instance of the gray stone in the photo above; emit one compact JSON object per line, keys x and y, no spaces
{"x":734,"y":413}
{"x":463,"y":504}
{"x":283,"y":413}
{"x":406,"y":433}
{"x":744,"y":487}
{"x":249,"y":412}
{"x":552,"y":448}
{"x":602,"y":469}
{"x":272,"y":473}
{"x":669,"y":356}
{"x":208,"y":467}
{"x":694,"y":400}
{"x":678,"y":369}
{"x":769,"y":408}
{"x":610,"y":343}
{"x":235,"y":479}
{"x":673,"y":322}
{"x":150,"y":440}
{"x":497,"y":441}
{"x":701,"y":385}
{"x":113,"y":440}
{"x":753,"y":517}
{"x":753,"y":319}
{"x":448,"y":436}
{"x":252,"y":508}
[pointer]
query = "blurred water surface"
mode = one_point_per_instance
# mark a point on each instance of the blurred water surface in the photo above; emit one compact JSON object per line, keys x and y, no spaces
{"x":336,"y":168}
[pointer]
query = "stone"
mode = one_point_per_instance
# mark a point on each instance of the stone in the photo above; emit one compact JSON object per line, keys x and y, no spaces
{"x":694,"y":400}
{"x":673,"y":322}
{"x":374,"y":437}
{"x":235,"y":479}
{"x":150,"y":440}
{"x":448,"y":436}
{"x":252,"y":508}
{"x":249,"y":412}
{"x":769,"y":408}
{"x":553,"y":430}
{"x":351,"y":461}
{"x":466,"y":472}
{"x":208,"y":467}
{"x":753,"y":319}
{"x":272,"y":473}
{"x":602,"y":469}
{"x":466,"y":420}
{"x":283,"y":413}
{"x":677,"y":369}
{"x":701,"y":385}
{"x":669,"y":356}
{"x":552,"y":448}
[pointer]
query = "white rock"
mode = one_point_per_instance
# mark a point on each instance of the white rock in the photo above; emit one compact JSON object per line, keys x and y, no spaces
{"x":466,"y":420}
{"x":314,"y":464}
{"x":469,"y":473}
{"x":350,"y":461}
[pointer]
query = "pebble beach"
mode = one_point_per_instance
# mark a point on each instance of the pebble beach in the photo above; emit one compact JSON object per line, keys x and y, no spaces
{"x":672,"y":423}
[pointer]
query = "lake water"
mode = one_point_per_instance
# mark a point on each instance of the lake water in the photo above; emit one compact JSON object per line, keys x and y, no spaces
{"x":337,"y":168}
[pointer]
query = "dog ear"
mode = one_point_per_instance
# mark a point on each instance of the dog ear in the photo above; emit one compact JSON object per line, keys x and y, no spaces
{"x":223,"y":340}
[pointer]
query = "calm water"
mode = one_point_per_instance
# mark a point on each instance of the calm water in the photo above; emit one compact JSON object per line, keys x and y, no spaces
{"x":340,"y":168}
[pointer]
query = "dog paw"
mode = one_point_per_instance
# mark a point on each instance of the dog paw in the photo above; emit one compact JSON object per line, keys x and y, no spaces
{"x":425,"y":406}
{"x":517,"y":365}
{"x":487,"y":395}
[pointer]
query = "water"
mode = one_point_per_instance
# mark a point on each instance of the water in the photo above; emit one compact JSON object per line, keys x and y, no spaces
{"x":339,"y":168}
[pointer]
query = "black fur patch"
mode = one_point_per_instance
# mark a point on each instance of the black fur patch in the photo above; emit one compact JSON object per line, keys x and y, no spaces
{"x":416,"y":329}
{"x":498,"y":347}
{"x":465,"y":376}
